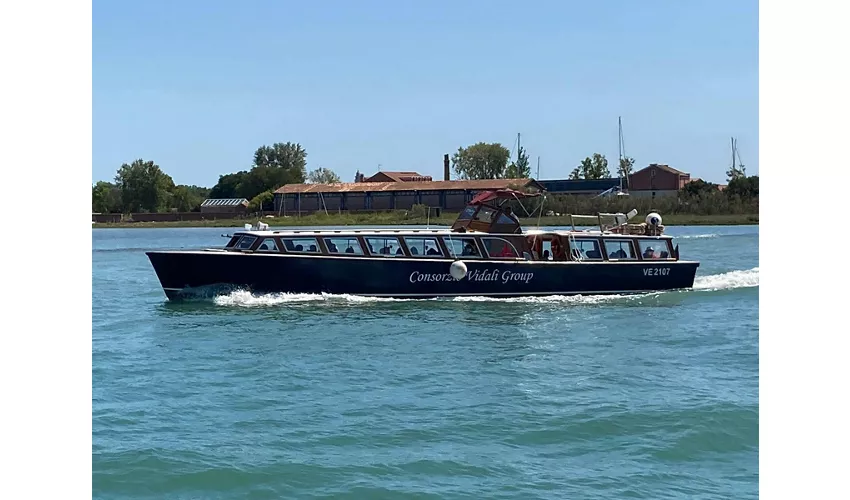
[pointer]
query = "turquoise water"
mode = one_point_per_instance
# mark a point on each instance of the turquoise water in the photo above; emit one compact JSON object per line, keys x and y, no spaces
{"x":651,"y":396}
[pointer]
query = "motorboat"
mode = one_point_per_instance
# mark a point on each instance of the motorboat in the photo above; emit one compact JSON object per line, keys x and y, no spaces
{"x":485,"y":252}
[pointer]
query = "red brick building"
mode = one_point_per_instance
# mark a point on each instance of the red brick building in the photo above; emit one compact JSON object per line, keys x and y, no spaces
{"x":662,"y":179}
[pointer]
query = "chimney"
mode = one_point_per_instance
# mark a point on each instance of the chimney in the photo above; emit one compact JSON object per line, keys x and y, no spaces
{"x":446,"y":176}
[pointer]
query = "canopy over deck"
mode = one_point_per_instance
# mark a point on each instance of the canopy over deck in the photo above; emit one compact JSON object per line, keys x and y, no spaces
{"x":488,"y":212}
{"x":500,"y":194}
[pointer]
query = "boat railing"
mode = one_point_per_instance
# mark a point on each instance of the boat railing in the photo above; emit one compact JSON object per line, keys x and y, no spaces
{"x":617,"y":219}
{"x":619,"y":223}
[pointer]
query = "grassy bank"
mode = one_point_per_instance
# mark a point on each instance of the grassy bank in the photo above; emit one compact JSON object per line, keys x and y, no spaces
{"x":396,"y":219}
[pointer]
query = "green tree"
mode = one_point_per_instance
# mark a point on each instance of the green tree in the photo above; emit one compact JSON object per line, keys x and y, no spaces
{"x":263,"y":201}
{"x":595,"y":167}
{"x":627,"y":164}
{"x":105,"y":198}
{"x":745,"y":187}
{"x":323,"y":176}
{"x":188,"y":198}
{"x":698,"y":189}
{"x":262,"y":178}
{"x":228,"y":185}
{"x":736,"y":172}
{"x":519,"y":169}
{"x":289,"y":156}
{"x":481,"y":161}
{"x":144,"y":187}
{"x":273,"y":167}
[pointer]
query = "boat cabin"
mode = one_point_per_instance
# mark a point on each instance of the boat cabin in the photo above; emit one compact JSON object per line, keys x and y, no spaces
{"x":554,"y":246}
{"x":486,"y":229}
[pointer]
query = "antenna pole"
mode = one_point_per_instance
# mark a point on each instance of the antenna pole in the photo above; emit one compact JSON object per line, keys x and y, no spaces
{"x":620,"y":150}
{"x":733,"y":154}
{"x":517,"y":147}
{"x":538,"y":168}
{"x":622,"y":146}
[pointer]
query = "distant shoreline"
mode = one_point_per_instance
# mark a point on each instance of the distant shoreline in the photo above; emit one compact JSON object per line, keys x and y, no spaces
{"x":400,"y":220}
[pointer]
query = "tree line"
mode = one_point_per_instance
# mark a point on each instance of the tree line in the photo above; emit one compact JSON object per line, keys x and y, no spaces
{"x":493,"y":161}
{"x":142,"y":186}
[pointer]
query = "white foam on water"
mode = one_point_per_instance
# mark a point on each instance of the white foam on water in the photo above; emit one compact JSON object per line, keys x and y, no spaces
{"x":243,"y":298}
{"x":696,"y":236}
{"x":556,"y":299}
{"x":726,"y":281}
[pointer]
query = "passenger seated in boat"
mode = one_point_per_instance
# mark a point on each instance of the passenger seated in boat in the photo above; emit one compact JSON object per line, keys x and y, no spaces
{"x":332,"y":248}
{"x":468,"y":249}
{"x":312,"y":248}
{"x":507,"y":251}
{"x":399,"y":251}
{"x":649,"y":253}
{"x":414,"y":251}
{"x":546,"y":255}
{"x":619,"y":254}
{"x":432,"y":251}
{"x":349,"y":250}
{"x":558,"y":252}
{"x":299,"y":248}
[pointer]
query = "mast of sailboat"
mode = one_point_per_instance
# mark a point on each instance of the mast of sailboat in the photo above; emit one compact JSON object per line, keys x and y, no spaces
{"x":517,"y":148}
{"x":733,"y":154}
{"x":622,"y":148}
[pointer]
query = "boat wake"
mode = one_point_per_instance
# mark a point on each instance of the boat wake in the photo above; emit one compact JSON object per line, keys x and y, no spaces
{"x":696,"y":236}
{"x":243,"y":298}
{"x":725,"y":281}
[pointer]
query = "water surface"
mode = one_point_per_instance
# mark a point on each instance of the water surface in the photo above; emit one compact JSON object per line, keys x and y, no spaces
{"x":311,"y":396}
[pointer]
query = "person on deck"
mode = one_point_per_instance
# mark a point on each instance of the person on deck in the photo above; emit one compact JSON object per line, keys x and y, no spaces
{"x":507,"y":251}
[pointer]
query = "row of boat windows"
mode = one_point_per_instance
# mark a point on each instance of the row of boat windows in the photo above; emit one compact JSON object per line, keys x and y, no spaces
{"x":618,"y":249}
{"x":390,"y":246}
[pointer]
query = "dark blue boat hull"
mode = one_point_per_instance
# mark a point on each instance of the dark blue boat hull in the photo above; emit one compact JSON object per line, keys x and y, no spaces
{"x":184,"y":274}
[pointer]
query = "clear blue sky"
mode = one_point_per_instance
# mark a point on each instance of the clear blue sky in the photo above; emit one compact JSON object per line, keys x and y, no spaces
{"x":197,"y":86}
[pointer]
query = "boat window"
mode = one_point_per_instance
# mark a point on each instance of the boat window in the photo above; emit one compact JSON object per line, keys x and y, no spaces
{"x":232,"y":242}
{"x":620,"y":250}
{"x":499,"y":248}
{"x":306,"y":245}
{"x":485,"y":214}
{"x":462,"y":247}
{"x":387,"y":246}
{"x":654,"y":249}
{"x":467,"y":213}
{"x":344,"y":245}
{"x":246,"y":242}
{"x":423,"y":247}
{"x":504,"y":219}
{"x":585,"y":249}
{"x":268,"y":245}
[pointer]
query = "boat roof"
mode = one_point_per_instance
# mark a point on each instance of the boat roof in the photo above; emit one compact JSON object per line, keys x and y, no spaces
{"x":500,"y":194}
{"x":435,"y":232}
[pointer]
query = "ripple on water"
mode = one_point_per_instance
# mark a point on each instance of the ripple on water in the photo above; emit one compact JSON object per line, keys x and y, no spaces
{"x":281,"y":396}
